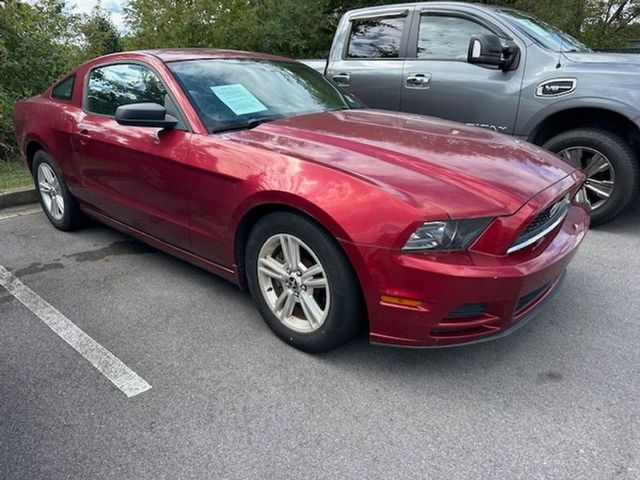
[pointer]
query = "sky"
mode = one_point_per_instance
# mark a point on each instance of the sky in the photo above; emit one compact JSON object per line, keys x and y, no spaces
{"x":114,"y":7}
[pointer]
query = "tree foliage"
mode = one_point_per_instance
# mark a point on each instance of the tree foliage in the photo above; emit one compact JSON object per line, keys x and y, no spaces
{"x":598,"y":23}
{"x":100,"y":35}
{"x":39,"y":42}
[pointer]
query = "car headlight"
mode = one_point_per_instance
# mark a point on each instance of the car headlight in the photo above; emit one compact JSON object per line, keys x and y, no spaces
{"x":446,"y":235}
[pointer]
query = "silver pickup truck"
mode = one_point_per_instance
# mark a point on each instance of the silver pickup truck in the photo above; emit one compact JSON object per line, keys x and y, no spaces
{"x":500,"y":69}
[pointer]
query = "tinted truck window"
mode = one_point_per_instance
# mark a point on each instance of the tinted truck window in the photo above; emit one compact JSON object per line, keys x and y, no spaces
{"x":446,"y":38}
{"x":115,"y":85}
{"x":376,"y":38}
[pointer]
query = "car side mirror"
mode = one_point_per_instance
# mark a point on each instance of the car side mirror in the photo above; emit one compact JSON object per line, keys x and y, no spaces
{"x":491,"y":50}
{"x":145,"y":115}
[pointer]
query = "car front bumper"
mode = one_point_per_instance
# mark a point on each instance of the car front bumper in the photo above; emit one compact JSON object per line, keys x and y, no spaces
{"x":466,"y":297}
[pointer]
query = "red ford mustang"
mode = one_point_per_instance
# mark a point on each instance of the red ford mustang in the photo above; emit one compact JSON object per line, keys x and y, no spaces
{"x":256,"y":168}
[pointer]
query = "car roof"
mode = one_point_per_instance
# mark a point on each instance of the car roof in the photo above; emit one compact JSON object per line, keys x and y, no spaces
{"x":182,"y":54}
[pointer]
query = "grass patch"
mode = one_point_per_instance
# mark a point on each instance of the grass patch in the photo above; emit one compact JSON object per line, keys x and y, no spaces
{"x":14,"y":174}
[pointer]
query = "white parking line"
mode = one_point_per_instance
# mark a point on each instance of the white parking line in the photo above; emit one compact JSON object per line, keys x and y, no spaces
{"x":108,"y":364}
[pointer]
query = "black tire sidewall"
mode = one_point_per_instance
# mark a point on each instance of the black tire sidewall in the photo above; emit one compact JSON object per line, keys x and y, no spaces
{"x":69,"y":219}
{"x":622,"y":158}
{"x":345,"y":311}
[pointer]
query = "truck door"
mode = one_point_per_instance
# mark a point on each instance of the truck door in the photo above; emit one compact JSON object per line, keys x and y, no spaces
{"x":369,"y":62}
{"x":438,"y":81}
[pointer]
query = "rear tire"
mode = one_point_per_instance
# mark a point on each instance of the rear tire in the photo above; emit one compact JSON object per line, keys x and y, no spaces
{"x":314,"y":312}
{"x":60,"y":207}
{"x":616,"y":173}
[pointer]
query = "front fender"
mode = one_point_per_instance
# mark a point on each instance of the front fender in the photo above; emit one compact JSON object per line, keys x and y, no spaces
{"x":540,"y":111}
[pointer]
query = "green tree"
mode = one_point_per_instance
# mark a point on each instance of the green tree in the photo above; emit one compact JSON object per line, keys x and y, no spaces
{"x":286,"y":27}
{"x":100,"y":35}
{"x":36,"y":46}
{"x":39,"y":42}
{"x":598,"y":23}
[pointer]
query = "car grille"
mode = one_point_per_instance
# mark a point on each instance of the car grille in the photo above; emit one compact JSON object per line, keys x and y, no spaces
{"x":542,"y":224}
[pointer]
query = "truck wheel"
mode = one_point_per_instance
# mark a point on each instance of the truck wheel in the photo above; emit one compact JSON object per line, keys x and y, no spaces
{"x":610,"y":164}
{"x":302,"y":283}
{"x":57,"y":202}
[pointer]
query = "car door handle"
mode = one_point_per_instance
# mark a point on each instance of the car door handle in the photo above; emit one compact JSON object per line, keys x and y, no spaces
{"x":342,"y":79}
{"x":418,"y":80}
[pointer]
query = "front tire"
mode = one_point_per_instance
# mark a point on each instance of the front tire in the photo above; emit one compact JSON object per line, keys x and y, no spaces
{"x":302,"y":283}
{"x":611,"y":165}
{"x":58,"y":204}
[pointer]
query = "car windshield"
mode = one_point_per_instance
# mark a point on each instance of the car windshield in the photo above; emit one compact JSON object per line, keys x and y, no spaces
{"x":231,"y":94}
{"x":543,"y":33}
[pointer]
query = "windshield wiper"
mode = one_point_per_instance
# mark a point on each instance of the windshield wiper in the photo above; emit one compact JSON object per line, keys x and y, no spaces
{"x":249,"y":124}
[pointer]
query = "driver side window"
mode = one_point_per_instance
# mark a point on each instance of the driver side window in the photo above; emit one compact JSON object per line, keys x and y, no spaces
{"x":446,"y":38}
{"x":114,"y":85}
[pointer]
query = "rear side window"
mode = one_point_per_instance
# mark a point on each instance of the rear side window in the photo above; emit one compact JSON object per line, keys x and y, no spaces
{"x":114,"y":85}
{"x":64,"y":90}
{"x":376,"y":38}
{"x":446,"y":38}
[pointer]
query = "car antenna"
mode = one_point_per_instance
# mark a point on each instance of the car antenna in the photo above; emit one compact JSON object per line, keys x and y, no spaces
{"x":558,"y":65}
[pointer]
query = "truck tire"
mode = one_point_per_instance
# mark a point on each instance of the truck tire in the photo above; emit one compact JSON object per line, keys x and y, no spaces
{"x":610,"y":163}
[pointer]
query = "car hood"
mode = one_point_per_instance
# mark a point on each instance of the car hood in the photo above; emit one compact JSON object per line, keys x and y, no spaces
{"x":429,"y":163}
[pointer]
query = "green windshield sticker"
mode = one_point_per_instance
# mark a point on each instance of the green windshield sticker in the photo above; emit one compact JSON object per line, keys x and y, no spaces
{"x":240,"y":100}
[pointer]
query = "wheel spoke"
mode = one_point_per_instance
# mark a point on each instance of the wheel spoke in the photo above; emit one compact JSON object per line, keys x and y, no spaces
{"x":582,"y":196}
{"x":48,"y":174}
{"x":272,"y":268}
{"x":573,"y":156}
{"x":47,"y":202}
{"x":602,"y":191}
{"x":287,"y":310}
{"x":311,"y":310}
{"x":53,"y":208}
{"x":60,"y":203}
{"x":597,"y":164}
{"x":320,"y":282}
{"x":44,"y":187}
{"x":290,"y":250}
{"x":281,"y":300}
{"x":310,"y":272}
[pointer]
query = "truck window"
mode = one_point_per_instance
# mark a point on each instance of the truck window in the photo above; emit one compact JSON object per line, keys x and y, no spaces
{"x":446,"y":38}
{"x":376,"y":38}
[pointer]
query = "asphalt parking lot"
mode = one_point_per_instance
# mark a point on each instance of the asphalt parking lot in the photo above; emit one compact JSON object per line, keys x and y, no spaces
{"x":557,"y":399}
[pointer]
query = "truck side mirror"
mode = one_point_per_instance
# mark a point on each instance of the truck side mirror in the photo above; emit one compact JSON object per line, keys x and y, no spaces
{"x":489,"y":49}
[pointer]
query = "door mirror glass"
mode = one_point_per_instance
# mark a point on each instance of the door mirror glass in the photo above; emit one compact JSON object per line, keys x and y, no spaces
{"x":490,"y":50}
{"x":144,"y":115}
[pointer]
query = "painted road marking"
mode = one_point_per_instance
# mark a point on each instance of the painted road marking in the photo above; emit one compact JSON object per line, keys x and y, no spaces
{"x":108,"y":364}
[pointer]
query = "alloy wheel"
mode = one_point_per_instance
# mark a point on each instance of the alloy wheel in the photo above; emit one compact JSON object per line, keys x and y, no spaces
{"x":50,"y":191}
{"x":294,"y":283}
{"x":601,"y":176}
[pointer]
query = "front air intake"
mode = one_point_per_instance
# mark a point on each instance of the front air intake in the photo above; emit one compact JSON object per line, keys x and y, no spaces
{"x":544,"y":223}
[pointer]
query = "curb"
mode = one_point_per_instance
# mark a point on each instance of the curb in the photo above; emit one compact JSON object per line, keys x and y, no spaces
{"x":18,"y":196}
